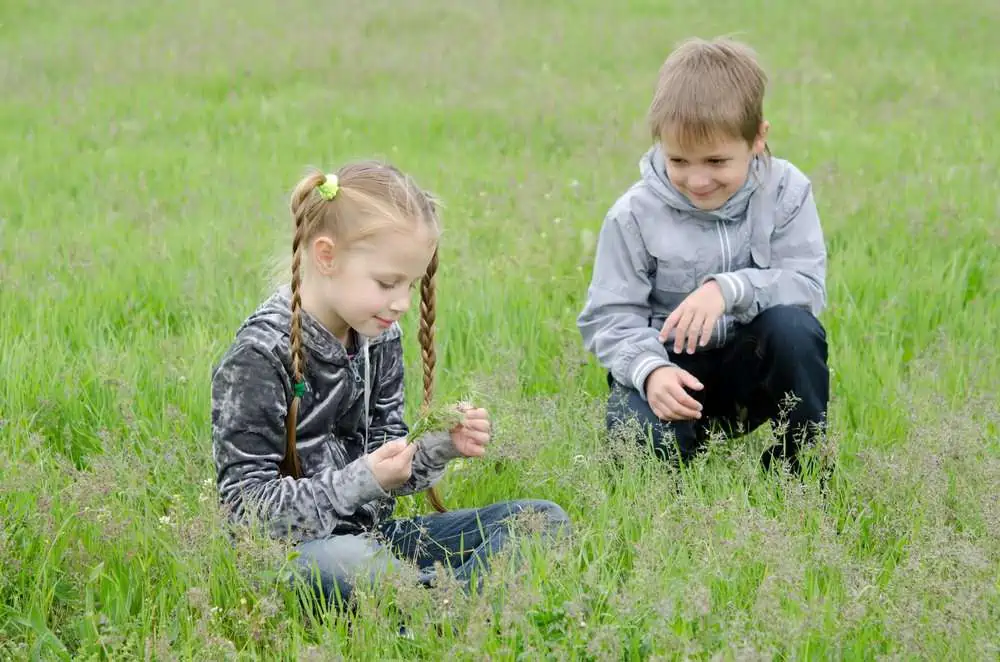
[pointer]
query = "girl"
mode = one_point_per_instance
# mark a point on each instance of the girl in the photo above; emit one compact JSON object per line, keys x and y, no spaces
{"x":307,"y":403}
{"x":710,"y":270}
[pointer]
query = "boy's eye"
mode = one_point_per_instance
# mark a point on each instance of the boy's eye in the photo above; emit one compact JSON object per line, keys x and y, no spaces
{"x":717,"y":161}
{"x":677,"y":161}
{"x":385,"y":286}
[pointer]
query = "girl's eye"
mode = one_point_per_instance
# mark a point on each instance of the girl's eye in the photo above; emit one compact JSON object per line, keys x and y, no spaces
{"x":717,"y":161}
{"x":385,"y":286}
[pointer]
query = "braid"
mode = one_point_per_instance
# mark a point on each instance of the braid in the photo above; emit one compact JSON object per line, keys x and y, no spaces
{"x":428,"y":301}
{"x":290,"y":463}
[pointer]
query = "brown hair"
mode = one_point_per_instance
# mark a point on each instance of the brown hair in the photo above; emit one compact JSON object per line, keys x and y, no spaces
{"x":387,"y":198}
{"x":707,"y":88}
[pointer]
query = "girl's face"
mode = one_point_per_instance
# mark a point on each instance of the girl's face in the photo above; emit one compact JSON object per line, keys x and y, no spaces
{"x":708,"y":174}
{"x":367,"y":286}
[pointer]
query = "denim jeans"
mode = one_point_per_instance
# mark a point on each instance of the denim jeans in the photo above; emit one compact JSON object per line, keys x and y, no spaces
{"x":462,"y":540}
{"x":781,"y":352}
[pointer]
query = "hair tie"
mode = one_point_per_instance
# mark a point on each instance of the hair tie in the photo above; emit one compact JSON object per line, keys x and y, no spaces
{"x":329,"y":188}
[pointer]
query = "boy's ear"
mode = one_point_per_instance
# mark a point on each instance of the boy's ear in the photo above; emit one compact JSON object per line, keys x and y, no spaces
{"x":760,"y":142}
{"x":324,"y":251}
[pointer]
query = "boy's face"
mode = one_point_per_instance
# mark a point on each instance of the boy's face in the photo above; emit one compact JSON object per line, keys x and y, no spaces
{"x":709,"y":173}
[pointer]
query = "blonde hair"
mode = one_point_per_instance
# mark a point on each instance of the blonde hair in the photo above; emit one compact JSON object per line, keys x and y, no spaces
{"x":708,"y":88}
{"x":366,"y":198}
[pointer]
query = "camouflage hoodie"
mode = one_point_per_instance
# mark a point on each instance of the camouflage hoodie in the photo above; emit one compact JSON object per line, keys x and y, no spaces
{"x":251,"y":391}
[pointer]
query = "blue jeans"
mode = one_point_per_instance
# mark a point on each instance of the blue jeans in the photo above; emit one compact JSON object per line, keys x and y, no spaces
{"x":782,"y":352}
{"x":462,"y":540}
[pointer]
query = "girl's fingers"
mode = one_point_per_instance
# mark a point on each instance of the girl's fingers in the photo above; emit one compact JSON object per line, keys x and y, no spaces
{"x":478,"y":424}
{"x":390,"y":449}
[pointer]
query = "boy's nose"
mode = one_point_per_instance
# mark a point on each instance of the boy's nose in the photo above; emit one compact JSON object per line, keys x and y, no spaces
{"x":698,"y":181}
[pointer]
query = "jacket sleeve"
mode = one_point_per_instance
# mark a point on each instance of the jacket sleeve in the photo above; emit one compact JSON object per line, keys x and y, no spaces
{"x":615,"y":320}
{"x":435,"y":450}
{"x":249,"y":404}
{"x":796,"y":275}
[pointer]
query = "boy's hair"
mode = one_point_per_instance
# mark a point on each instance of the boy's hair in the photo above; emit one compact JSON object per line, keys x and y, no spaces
{"x":366,"y":197}
{"x":708,"y":88}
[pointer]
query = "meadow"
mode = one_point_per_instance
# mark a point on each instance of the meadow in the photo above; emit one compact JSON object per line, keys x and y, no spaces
{"x":147,"y":151}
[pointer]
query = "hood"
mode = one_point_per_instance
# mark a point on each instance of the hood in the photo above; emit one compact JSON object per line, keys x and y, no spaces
{"x":275,"y":316}
{"x":653,"y":168}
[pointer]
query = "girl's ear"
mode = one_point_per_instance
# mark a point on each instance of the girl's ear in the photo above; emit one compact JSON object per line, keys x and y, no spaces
{"x":760,"y":142}
{"x":323,"y":252}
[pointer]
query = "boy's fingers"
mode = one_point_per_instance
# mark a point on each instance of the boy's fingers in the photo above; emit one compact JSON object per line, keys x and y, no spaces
{"x":681,"y":397}
{"x":658,"y":403}
{"x":706,"y":329}
{"x":697,"y":323}
{"x":670,"y":323}
{"x":689,"y":380}
{"x":683,"y":412}
{"x":682,"y":328}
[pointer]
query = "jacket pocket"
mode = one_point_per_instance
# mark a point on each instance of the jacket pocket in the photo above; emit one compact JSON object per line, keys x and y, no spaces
{"x":674,"y":280}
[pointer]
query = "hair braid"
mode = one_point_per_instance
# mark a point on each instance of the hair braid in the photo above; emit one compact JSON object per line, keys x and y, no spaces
{"x":428,"y":304}
{"x":290,"y":463}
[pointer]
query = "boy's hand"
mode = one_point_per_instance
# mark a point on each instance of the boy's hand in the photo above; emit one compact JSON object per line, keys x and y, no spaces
{"x":473,"y":433}
{"x":694,"y":317}
{"x":667,"y":397}
{"x":392,"y":463}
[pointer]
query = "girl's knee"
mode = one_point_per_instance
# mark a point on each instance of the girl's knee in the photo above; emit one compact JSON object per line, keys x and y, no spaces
{"x":555,"y":518}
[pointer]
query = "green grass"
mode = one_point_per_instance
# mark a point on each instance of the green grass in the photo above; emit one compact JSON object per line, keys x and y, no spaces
{"x":146,"y":155}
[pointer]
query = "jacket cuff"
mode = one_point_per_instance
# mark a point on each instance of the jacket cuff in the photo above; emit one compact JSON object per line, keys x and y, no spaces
{"x":642,"y":366}
{"x":437,"y":448}
{"x":737,"y":291}
{"x":359,"y":484}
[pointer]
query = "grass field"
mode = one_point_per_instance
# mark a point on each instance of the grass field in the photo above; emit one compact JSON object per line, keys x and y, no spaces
{"x":146,"y":155}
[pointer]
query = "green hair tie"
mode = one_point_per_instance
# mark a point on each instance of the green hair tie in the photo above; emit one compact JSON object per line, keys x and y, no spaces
{"x":299,"y":389}
{"x":329,"y":188}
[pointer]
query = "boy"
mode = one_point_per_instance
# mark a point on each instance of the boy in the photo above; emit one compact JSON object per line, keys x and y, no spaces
{"x":709,"y":273}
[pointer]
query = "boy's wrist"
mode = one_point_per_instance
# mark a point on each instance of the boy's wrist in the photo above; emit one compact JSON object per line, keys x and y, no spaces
{"x":643,"y":366}
{"x":736,"y":292}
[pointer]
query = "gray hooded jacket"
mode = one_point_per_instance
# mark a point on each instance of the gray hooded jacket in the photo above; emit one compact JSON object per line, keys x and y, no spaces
{"x":764,"y":247}
{"x":251,"y":391}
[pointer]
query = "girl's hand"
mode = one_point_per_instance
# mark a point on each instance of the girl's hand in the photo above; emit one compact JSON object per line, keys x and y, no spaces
{"x":392,"y":463}
{"x":695,"y":317}
{"x":473,"y":433}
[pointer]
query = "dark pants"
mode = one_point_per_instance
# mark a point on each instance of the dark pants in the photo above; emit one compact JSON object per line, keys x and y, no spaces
{"x":781,"y":353}
{"x":462,"y":540}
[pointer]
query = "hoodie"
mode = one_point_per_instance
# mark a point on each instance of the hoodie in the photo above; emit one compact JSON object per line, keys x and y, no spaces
{"x":251,"y":392}
{"x":764,"y":247}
